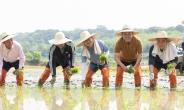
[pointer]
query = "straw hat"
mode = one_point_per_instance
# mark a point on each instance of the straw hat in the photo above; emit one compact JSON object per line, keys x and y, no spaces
{"x":126,"y":28}
{"x":6,"y":36}
{"x":161,"y":34}
{"x":84,"y":36}
{"x":59,"y":39}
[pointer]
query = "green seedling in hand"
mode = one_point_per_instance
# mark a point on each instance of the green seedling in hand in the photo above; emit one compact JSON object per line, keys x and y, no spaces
{"x":103,"y":58}
{"x":73,"y":71}
{"x":170,"y":66}
{"x":131,"y":69}
{"x":20,"y":72}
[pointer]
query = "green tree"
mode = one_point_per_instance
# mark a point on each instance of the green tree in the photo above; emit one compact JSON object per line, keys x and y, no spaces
{"x":33,"y":57}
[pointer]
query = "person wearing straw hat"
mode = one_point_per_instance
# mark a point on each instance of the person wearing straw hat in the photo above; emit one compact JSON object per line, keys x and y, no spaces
{"x":11,"y":55}
{"x":162,"y":53}
{"x":62,"y":53}
{"x":128,"y":51}
{"x":92,"y":49}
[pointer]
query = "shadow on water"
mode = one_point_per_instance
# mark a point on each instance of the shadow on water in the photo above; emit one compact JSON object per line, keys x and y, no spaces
{"x":26,"y":98}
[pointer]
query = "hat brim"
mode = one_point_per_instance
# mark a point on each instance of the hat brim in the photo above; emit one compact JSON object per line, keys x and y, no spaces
{"x":8,"y":37}
{"x":169,"y":39}
{"x":94,"y":36}
{"x":57,"y":42}
{"x":120,"y":32}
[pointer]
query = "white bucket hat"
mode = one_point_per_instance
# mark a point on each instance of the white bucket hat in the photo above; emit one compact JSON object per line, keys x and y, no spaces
{"x":126,"y":28}
{"x":84,"y":36}
{"x":59,"y":39}
{"x":6,"y":36}
{"x":161,"y":34}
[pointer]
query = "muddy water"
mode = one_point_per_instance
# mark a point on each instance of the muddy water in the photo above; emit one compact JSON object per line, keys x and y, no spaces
{"x":26,"y":98}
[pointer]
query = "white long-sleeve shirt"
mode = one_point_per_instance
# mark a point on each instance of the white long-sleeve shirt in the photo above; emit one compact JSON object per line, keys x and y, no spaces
{"x":12,"y":55}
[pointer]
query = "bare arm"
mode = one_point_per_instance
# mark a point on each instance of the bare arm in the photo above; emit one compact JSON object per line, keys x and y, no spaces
{"x":139,"y":58}
{"x":117,"y":59}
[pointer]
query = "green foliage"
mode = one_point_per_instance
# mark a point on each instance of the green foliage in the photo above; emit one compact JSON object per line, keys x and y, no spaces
{"x":170,"y":66}
{"x":73,"y":71}
{"x":103,"y":58}
{"x":20,"y":72}
{"x":38,"y":40}
{"x":131,"y":69}
{"x":33,"y":57}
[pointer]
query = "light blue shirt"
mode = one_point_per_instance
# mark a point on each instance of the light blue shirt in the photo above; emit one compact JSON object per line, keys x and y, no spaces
{"x":93,"y":57}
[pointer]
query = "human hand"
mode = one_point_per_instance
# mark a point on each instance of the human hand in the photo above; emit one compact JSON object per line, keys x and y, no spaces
{"x":18,"y":72}
{"x":101,"y":62}
{"x":151,"y":76}
{"x":53,"y":80}
{"x":125,"y":69}
{"x":168,"y":71}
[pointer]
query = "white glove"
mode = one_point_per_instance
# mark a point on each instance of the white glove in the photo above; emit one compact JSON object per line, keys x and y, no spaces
{"x":168,"y":71}
{"x":151,"y":76}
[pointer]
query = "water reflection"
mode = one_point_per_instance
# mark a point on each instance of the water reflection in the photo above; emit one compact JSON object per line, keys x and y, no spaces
{"x":21,"y":98}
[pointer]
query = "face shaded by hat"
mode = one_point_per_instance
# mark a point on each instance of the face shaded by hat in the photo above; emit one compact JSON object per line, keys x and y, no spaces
{"x":161,"y":34}
{"x":59,"y":39}
{"x":126,"y":28}
{"x":84,"y":36}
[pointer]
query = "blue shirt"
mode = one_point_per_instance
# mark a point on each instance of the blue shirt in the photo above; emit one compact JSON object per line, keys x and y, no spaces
{"x":93,"y":57}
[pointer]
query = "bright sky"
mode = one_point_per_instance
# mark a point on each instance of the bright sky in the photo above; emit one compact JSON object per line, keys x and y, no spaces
{"x":30,"y":15}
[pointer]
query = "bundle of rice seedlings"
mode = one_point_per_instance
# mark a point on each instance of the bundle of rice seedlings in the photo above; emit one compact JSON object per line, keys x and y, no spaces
{"x":73,"y":71}
{"x":170,"y":66}
{"x":131,"y":69}
{"x":103,"y":58}
{"x":20,"y":72}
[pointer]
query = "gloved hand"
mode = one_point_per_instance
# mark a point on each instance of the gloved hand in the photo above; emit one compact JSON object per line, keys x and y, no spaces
{"x":168,"y":71}
{"x":151,"y":76}
{"x":53,"y":80}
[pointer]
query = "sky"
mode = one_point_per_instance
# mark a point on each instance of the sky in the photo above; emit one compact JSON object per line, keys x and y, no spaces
{"x":30,"y":15}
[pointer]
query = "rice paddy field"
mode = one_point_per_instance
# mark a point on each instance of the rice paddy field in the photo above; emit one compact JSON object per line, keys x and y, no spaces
{"x":30,"y":97}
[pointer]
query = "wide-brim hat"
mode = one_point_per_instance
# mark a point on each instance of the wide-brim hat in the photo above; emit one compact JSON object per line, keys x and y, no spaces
{"x":84,"y":36}
{"x":6,"y":36}
{"x":126,"y":28}
{"x":161,"y":34}
{"x":59,"y":39}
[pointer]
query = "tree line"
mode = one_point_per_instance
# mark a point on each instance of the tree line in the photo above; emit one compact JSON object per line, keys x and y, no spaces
{"x":35,"y":44}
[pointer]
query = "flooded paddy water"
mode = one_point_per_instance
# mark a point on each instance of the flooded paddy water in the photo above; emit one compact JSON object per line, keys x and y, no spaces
{"x":58,"y":98}
{"x":29,"y":97}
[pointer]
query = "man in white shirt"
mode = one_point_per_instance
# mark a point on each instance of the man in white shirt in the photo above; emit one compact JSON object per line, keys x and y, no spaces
{"x":11,"y":55}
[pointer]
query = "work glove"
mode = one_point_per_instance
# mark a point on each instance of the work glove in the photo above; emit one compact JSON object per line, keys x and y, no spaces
{"x":151,"y":76}
{"x":53,"y":80}
{"x":168,"y":71}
